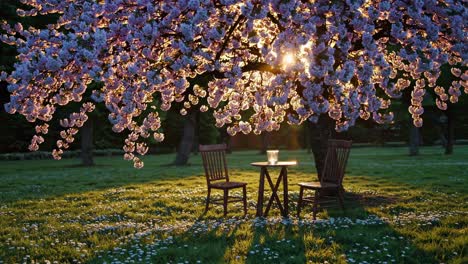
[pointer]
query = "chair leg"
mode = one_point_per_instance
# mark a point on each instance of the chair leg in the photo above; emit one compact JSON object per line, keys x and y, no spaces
{"x":245,"y":199}
{"x":316,"y":201}
{"x":208,"y":200}
{"x":340,"y":198}
{"x":225,"y":201}
{"x":299,"y":202}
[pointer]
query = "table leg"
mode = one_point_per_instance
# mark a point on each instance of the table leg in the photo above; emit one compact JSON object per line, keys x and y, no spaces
{"x":274,"y":195}
{"x":261,"y":188}
{"x":284,"y":171}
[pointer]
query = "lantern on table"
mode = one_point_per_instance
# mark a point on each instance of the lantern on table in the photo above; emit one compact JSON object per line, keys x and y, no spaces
{"x":272,"y":156}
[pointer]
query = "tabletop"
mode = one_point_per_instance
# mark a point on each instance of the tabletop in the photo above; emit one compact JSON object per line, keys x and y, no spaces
{"x":277,"y":164}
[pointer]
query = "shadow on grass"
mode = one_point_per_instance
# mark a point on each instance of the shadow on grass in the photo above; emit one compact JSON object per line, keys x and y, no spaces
{"x":280,"y":243}
{"x":356,"y":235}
{"x":193,"y":246}
{"x":372,"y":200}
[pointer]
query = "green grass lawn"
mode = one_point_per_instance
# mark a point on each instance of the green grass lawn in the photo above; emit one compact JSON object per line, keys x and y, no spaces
{"x":400,"y":209}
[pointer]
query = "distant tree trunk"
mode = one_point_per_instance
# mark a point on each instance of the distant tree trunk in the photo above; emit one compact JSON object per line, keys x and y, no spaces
{"x":450,"y":131}
{"x":321,"y":133}
{"x":87,"y":142}
{"x":187,"y":141}
{"x":414,"y":140}
{"x":308,"y":137}
{"x":228,"y":144}
{"x":196,"y":140}
{"x":382,"y":135}
{"x":225,"y":138}
{"x":265,"y":142}
{"x":441,"y":122}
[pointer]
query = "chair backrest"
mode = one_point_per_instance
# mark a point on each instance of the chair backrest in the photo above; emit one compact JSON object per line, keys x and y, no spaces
{"x":335,"y":161}
{"x":214,"y":161}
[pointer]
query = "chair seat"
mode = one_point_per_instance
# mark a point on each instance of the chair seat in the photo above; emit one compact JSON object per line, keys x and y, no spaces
{"x":227,"y":185}
{"x":317,"y":185}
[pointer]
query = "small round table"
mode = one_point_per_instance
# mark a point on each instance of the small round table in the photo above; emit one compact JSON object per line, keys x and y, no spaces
{"x":283,"y":177}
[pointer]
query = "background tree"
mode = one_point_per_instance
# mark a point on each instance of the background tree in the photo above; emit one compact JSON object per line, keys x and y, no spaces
{"x":258,"y":63}
{"x":188,"y":140}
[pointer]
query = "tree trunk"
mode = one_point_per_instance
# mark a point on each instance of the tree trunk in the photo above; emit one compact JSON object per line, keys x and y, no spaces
{"x":414,"y":140}
{"x":292,"y":142}
{"x":87,"y":142}
{"x":450,"y":131}
{"x":321,"y":133}
{"x":187,"y":141}
{"x":265,"y":142}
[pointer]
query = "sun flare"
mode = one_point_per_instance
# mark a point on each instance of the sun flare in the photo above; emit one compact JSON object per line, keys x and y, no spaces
{"x":288,"y":59}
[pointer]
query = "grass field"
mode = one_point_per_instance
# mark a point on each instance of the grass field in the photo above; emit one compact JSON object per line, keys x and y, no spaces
{"x":400,"y":209}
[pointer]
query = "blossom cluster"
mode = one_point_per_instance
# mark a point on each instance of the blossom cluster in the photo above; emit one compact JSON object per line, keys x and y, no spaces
{"x":256,"y":63}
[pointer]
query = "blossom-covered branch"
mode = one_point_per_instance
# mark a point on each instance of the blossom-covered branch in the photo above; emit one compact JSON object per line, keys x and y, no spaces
{"x":285,"y":60}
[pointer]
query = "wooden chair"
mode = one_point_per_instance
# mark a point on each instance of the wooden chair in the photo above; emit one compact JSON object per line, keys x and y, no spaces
{"x":217,"y":177}
{"x":331,"y":183}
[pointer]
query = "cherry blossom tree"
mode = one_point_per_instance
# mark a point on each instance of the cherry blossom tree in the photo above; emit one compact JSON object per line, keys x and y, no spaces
{"x":257,"y":63}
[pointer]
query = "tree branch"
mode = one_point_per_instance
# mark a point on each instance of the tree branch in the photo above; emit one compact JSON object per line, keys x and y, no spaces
{"x":275,"y":21}
{"x":228,"y":36}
